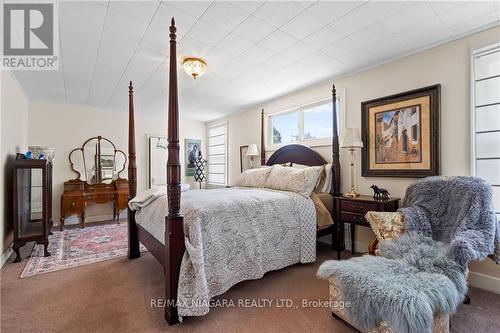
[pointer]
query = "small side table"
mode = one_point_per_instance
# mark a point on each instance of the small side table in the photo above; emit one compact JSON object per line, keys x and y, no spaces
{"x":353,"y":210}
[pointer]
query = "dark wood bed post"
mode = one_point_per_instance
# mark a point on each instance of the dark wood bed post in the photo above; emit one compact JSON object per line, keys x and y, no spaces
{"x":335,"y":190}
{"x":338,"y":228}
{"x":133,"y":239}
{"x":262,"y":143}
{"x":174,"y":229}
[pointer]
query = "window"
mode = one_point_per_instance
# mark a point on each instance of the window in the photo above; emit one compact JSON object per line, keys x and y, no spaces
{"x":312,"y":122}
{"x":217,"y":154}
{"x":486,"y":118}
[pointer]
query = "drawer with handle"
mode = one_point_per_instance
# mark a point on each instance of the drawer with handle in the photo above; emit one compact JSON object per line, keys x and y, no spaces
{"x":353,"y":218}
{"x":358,"y":207}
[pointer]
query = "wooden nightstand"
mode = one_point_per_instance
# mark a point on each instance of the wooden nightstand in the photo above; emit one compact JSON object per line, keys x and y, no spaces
{"x":353,"y":210}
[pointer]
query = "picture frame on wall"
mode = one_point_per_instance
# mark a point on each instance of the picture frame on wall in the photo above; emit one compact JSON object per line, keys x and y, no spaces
{"x":191,"y":149}
{"x":244,"y":161}
{"x":401,"y":134}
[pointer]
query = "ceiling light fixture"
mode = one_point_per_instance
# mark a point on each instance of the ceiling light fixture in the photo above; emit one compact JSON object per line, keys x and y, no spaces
{"x":194,"y":67}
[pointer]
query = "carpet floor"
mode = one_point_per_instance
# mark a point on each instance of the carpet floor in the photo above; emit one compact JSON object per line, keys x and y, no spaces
{"x":115,"y":296}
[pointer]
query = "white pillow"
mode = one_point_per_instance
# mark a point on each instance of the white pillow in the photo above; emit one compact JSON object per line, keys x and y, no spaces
{"x":300,"y":181}
{"x":254,"y":177}
{"x":325,"y":185}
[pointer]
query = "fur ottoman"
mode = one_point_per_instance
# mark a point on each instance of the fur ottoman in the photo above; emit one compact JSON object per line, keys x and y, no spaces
{"x":339,"y":304}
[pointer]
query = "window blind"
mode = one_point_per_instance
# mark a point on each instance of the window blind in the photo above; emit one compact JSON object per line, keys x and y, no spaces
{"x":217,"y":154}
{"x":486,"y":117}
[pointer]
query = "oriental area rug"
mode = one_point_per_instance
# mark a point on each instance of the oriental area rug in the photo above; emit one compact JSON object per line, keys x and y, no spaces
{"x":77,"y":247}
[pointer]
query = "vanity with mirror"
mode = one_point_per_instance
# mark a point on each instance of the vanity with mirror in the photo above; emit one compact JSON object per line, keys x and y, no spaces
{"x":98,"y":166}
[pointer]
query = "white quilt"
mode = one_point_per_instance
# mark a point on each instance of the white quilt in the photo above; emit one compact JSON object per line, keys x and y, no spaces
{"x":232,"y":235}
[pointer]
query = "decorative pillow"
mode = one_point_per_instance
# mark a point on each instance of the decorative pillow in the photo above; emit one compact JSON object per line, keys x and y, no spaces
{"x":386,"y":225}
{"x":301,"y":181}
{"x":325,"y":180}
{"x":254,"y":177}
{"x":323,"y":216}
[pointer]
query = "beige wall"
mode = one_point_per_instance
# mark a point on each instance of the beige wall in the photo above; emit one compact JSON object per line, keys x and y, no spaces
{"x":13,"y":139}
{"x":65,"y":127}
{"x":448,"y":64}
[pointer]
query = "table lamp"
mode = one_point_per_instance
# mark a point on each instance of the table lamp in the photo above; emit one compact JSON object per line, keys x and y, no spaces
{"x":252,"y":152}
{"x":351,"y":141}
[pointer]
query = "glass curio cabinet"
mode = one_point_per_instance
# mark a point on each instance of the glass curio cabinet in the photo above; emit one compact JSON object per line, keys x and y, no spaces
{"x":32,"y":200}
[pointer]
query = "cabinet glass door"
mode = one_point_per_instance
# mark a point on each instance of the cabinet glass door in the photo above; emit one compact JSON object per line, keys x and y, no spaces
{"x":30,"y":202}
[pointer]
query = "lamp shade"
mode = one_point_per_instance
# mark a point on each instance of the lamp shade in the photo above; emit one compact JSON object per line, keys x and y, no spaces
{"x":351,"y":139}
{"x":252,"y":150}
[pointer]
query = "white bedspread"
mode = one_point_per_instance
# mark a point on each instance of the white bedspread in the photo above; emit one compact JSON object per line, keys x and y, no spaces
{"x":232,"y":235}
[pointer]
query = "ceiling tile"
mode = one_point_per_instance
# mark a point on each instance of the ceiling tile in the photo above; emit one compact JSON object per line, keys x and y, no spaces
{"x":315,"y":59}
{"x":341,"y":47}
{"x":143,"y":10}
{"x":234,"y":45}
{"x":409,"y":16}
{"x":277,"y":41}
{"x":366,"y":15}
{"x":298,"y":50}
{"x":72,"y":39}
{"x":224,"y":15}
{"x":247,"y":6}
{"x":323,"y":37}
{"x":82,"y":10}
{"x":275,"y":13}
{"x":440,"y":7}
{"x":116,"y":40}
{"x":332,"y":10}
{"x":277,"y":61}
{"x":193,"y":8}
{"x":258,"y":53}
{"x":466,"y":12}
{"x":191,"y":47}
{"x":303,"y":25}
{"x":126,"y":23}
{"x":253,"y":29}
{"x":156,"y":40}
{"x":206,"y":33}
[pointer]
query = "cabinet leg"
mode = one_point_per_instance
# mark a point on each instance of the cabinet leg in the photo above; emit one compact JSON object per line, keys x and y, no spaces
{"x":18,"y":255}
{"x":82,"y":224}
{"x":353,"y":237}
{"x":61,"y":224}
{"x":46,"y":253}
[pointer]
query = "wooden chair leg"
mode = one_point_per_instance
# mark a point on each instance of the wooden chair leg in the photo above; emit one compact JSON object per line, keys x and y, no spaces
{"x":467,"y":299}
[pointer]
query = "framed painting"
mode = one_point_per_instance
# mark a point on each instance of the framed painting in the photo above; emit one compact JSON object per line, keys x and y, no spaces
{"x":401,"y":134}
{"x":191,"y":149}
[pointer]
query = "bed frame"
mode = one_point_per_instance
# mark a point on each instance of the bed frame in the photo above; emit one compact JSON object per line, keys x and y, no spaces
{"x":170,"y":255}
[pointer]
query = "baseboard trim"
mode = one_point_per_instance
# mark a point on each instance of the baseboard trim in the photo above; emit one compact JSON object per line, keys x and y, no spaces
{"x":484,"y":281}
{"x":5,"y":255}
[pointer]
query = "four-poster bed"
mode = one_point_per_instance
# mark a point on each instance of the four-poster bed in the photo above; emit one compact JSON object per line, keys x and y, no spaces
{"x":170,"y":252}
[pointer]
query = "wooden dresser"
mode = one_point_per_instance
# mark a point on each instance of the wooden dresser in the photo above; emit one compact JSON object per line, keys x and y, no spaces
{"x":353,"y":211}
{"x":78,"y":194}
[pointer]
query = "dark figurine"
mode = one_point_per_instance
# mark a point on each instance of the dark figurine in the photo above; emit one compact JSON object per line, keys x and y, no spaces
{"x":379,"y":193}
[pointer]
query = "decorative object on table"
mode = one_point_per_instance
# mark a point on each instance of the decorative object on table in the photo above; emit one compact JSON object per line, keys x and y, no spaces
{"x":401,"y":134}
{"x":380,"y":193}
{"x":351,"y":141}
{"x":78,"y":247}
{"x":32,"y":203}
{"x":199,"y":169}
{"x":42,"y":152}
{"x":28,"y":155}
{"x":252,"y":152}
{"x":194,"y":67}
{"x":353,"y":211}
{"x":191,"y":149}
{"x":98,"y":165}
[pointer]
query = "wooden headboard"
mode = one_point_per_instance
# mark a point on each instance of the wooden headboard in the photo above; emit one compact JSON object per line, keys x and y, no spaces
{"x":296,"y":154}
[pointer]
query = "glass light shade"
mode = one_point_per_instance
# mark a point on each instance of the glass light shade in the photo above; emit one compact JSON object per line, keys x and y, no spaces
{"x":252,"y":150}
{"x":194,"y":67}
{"x":351,"y":139}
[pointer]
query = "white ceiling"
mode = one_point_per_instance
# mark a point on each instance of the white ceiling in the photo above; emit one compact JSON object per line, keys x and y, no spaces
{"x":255,"y":51}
